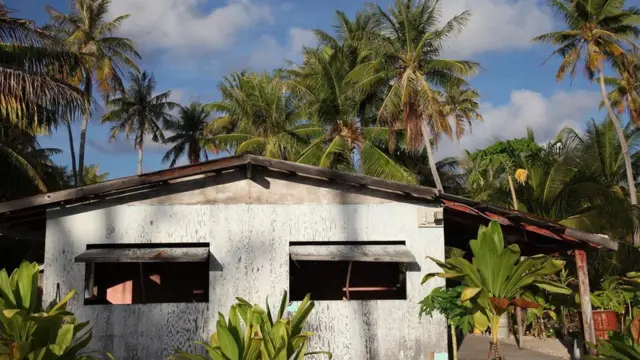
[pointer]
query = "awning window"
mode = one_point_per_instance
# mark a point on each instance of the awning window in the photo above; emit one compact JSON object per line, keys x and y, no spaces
{"x":367,"y":253}
{"x":145,"y":255}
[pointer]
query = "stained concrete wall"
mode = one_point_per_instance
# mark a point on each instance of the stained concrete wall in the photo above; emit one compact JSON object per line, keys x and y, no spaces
{"x":249,"y":235}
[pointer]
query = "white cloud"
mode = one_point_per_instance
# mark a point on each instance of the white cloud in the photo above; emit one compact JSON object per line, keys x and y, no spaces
{"x":270,"y":53}
{"x":546,"y":116}
{"x":496,"y":25}
{"x":182,"y":25}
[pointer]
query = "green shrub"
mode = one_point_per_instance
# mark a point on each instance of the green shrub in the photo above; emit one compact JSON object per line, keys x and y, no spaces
{"x":251,"y":333}
{"x":30,"y":332}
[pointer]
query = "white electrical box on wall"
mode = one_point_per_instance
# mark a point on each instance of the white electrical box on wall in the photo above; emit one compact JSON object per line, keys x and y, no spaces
{"x":423,"y":217}
{"x":428,"y":217}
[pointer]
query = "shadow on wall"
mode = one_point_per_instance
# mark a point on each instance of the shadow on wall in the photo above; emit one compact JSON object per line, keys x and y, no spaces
{"x":365,"y":321}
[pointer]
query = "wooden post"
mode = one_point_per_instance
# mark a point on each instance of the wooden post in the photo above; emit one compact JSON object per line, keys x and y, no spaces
{"x":585,"y":298}
{"x":519,"y":326}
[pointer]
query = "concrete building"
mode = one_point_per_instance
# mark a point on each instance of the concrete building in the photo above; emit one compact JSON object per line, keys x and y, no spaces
{"x":156,"y":257}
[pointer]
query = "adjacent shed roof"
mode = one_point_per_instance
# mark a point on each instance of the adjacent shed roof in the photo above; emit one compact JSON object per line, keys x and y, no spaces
{"x":34,"y":206}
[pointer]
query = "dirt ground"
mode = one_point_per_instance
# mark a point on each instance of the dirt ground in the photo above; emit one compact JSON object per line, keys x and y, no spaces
{"x":475,"y":347}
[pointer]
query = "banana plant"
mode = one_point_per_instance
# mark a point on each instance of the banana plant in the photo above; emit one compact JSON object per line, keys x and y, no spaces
{"x":30,"y":332}
{"x":497,"y":279}
{"x":252,"y":333}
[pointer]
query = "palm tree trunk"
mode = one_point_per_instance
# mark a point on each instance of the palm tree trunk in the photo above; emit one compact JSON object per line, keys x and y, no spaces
{"x":625,"y":148}
{"x":432,"y":160}
{"x":194,"y":153}
{"x":72,"y":151}
{"x":454,"y":341}
{"x":83,"y":139}
{"x":88,"y":90}
{"x":139,"y":159}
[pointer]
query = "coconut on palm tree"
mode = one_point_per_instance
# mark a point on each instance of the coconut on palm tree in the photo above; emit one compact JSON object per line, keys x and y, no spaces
{"x":340,"y":134}
{"x":408,"y":60}
{"x":104,"y":56}
{"x":598,"y":31}
{"x":31,"y":61}
{"x":188,"y":134}
{"x":139,"y":112}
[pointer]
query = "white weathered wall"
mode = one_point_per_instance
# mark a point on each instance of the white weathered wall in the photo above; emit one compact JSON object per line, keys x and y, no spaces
{"x":250,"y":242}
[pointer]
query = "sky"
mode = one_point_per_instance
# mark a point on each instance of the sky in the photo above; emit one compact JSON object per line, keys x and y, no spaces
{"x":190,"y":45}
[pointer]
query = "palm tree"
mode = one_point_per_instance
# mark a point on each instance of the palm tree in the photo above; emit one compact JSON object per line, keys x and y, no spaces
{"x":460,"y":105}
{"x":577,"y":180}
{"x":138,"y":111}
{"x":72,"y":150}
{"x":626,"y":88}
{"x":104,"y":56}
{"x":596,"y":156}
{"x":92,"y":175}
{"x":31,"y":61}
{"x":489,"y":172}
{"x":27,"y":166}
{"x":598,"y":31}
{"x":355,"y":35}
{"x":341,"y":137}
{"x":258,"y":116}
{"x":407,"y":60}
{"x":188,"y":134}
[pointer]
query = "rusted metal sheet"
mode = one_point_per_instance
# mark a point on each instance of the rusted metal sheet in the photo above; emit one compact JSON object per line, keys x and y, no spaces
{"x":528,"y":223}
{"x":160,"y":254}
{"x":369,"y":253}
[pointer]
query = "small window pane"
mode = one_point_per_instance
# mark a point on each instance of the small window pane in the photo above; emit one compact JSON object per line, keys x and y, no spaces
{"x":327,"y":280}
{"x":147,"y":283}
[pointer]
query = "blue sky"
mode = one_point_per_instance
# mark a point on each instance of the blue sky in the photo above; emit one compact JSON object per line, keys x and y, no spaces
{"x":190,"y":44}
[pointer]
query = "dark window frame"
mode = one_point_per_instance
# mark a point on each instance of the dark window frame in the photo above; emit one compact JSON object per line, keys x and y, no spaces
{"x":97,"y":276}
{"x":351,"y":277}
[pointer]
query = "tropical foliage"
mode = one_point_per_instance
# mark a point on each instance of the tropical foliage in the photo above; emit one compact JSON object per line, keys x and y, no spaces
{"x":103,"y":56}
{"x":187,"y":134}
{"x":448,"y":303}
{"x":343,"y":134}
{"x":376,"y":96}
{"x":139,"y":112}
{"x":497,"y":278}
{"x":262,"y":337}
{"x":29,"y":331}
{"x":619,"y":346}
{"x":258,"y":116}
{"x":598,"y":31}
{"x":30,"y":63}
